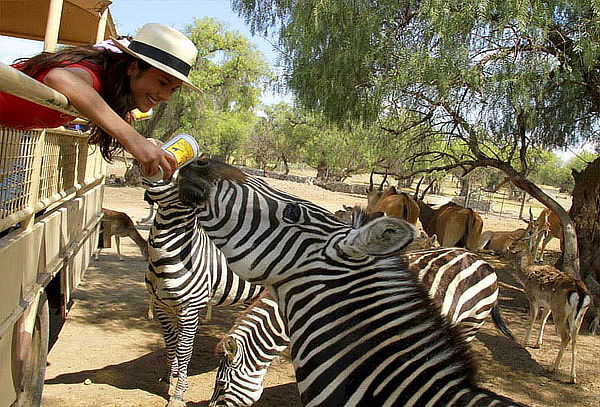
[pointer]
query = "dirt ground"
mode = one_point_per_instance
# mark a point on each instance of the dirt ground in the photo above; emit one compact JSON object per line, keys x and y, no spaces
{"x":108,"y":354}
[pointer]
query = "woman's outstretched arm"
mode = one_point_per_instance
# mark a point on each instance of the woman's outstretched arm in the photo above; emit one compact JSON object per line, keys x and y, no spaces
{"x":76,"y":85}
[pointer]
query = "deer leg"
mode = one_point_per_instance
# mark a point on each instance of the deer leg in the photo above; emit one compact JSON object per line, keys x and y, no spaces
{"x":208,"y":315}
{"x":150,"y":312}
{"x":533,"y":311}
{"x":565,"y":338}
{"x":545,"y":315}
{"x":118,"y":241}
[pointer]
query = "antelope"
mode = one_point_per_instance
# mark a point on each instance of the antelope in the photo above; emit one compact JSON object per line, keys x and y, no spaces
{"x":391,"y":202}
{"x":119,"y":224}
{"x":556,"y":293}
{"x":548,"y":227}
{"x":500,"y":242}
{"x":454,"y":225}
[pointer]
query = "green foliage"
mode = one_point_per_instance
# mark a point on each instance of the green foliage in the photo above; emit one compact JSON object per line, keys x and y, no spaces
{"x":496,"y":78}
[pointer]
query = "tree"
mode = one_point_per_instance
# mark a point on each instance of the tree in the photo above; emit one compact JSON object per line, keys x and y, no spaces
{"x":496,"y":78}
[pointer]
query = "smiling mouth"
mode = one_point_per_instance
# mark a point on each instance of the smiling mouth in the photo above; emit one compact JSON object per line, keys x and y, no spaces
{"x":151,"y":100}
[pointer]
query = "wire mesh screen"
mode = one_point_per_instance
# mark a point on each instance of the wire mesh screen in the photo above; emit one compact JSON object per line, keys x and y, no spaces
{"x":59,"y":164}
{"x":39,"y":167}
{"x":16,"y":167}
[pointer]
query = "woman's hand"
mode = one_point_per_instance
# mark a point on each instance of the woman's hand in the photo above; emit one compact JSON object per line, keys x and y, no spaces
{"x":151,"y":157}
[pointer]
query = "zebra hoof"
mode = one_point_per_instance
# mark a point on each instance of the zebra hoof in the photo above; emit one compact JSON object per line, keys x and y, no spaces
{"x":176,"y":403}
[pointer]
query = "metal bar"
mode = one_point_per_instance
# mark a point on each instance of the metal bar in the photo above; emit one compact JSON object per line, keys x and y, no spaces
{"x":52,"y":25}
{"x":17,"y":83}
{"x":102,"y":26}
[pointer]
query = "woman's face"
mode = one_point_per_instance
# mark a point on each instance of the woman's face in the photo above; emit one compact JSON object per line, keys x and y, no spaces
{"x":151,"y":86}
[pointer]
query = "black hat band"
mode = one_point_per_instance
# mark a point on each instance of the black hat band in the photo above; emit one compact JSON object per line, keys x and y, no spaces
{"x":160,"y":56}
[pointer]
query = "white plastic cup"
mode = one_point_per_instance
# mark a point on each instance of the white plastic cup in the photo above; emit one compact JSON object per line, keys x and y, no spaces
{"x":184,"y":148}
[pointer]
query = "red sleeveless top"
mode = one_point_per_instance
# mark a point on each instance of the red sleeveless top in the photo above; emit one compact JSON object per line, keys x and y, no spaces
{"x":22,"y":114}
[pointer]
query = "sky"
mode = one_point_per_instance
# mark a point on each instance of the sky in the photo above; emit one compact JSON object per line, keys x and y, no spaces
{"x":130,"y":15}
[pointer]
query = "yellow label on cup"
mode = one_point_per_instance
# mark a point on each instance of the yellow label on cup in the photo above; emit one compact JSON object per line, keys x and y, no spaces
{"x":181,"y":150}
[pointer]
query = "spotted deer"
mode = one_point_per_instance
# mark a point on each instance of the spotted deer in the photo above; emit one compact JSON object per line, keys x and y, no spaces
{"x":119,"y":224}
{"x":556,"y":293}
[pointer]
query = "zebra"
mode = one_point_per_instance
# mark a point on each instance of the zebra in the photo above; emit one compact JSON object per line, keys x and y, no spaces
{"x":186,"y":273}
{"x":363,"y":331}
{"x":462,"y":285}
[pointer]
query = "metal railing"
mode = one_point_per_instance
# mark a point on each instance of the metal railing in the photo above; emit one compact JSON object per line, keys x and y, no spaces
{"x":38,"y":168}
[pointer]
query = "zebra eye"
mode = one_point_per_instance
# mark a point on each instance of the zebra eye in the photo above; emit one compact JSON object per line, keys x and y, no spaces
{"x":291,"y":213}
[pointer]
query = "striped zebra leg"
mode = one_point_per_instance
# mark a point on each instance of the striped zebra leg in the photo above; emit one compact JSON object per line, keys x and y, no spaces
{"x":170,"y":330}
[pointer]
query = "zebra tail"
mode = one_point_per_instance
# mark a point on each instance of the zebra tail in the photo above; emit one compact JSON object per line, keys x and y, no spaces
{"x":499,"y":322}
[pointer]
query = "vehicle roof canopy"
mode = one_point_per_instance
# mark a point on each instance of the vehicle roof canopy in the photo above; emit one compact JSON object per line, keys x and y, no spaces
{"x":79,"y":22}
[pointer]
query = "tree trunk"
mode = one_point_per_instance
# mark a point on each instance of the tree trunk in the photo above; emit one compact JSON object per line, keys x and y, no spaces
{"x":585,"y":212}
{"x":322,"y":170}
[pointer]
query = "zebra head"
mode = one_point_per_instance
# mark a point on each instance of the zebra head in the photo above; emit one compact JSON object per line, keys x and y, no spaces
{"x":265,"y":233}
{"x":161,"y":194}
{"x":236,"y":385}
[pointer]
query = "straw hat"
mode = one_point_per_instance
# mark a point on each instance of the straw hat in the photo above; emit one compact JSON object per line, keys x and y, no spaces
{"x":164,"y":48}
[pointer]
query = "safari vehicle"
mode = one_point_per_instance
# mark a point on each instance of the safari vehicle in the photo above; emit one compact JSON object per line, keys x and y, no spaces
{"x":51,"y":190}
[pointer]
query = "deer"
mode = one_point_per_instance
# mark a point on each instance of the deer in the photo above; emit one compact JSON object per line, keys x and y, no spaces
{"x":501,"y":241}
{"x":422,"y":242}
{"x":391,"y":202}
{"x":548,"y":227}
{"x":557,"y":293}
{"x":119,"y":224}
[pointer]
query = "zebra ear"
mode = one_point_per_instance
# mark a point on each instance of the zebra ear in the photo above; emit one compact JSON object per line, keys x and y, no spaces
{"x":230,"y":347}
{"x":380,"y":237}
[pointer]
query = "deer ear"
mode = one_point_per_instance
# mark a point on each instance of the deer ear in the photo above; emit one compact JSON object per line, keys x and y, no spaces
{"x":230,"y":347}
{"x":380,"y":237}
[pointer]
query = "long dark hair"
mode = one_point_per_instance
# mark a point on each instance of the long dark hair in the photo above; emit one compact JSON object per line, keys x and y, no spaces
{"x":115,"y":83}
